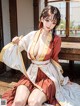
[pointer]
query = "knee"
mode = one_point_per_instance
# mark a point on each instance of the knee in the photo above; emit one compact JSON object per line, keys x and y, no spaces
{"x":18,"y":103}
{"x":33,"y":102}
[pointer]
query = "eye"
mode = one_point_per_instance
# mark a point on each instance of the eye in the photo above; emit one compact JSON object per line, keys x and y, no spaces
{"x":54,"y":22}
{"x":47,"y":20}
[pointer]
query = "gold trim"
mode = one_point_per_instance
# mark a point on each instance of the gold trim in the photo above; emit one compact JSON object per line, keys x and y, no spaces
{"x":1,"y":57}
{"x":46,"y":46}
{"x":57,"y":65}
{"x":61,"y":103}
{"x":22,"y":63}
{"x":25,"y":72}
{"x":3,"y":50}
{"x":34,"y":43}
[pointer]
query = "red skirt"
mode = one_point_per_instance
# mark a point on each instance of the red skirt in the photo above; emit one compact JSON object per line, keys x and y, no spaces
{"x":42,"y":80}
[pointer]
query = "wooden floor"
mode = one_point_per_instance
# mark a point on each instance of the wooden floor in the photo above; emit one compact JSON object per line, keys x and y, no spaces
{"x":8,"y":79}
{"x":4,"y":86}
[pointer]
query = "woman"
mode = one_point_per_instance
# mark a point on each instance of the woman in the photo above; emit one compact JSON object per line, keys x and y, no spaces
{"x":44,"y":83}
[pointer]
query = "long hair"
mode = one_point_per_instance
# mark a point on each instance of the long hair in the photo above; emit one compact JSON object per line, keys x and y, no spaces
{"x":45,"y":13}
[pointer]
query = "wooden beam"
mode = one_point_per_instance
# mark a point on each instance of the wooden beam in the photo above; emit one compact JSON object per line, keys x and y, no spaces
{"x":1,"y":27}
{"x":2,"y":65}
{"x":36,"y":13}
{"x":46,"y":1}
{"x":63,"y":0}
{"x":70,"y":39}
{"x":13,"y":18}
{"x":67,"y":18}
{"x":70,"y":51}
{"x":75,"y":0}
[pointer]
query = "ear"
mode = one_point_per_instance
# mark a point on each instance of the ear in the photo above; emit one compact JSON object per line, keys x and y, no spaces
{"x":41,"y":19}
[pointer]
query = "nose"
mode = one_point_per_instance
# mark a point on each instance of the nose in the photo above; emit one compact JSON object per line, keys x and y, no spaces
{"x":49,"y":24}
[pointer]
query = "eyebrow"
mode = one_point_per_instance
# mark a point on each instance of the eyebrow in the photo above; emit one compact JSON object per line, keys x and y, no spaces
{"x":54,"y":19}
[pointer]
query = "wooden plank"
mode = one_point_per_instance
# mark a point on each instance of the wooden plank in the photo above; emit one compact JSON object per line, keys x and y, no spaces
{"x":4,"y":86}
{"x":71,"y":39}
{"x":71,"y":45}
{"x":36,"y":13}
{"x":70,"y":51}
{"x":73,"y":57}
{"x":13,"y":18}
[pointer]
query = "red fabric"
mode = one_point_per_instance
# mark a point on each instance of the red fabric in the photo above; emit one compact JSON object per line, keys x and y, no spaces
{"x":42,"y":80}
{"x":56,"y":48}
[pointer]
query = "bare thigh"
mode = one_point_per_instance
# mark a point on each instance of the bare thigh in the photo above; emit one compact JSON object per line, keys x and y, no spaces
{"x":37,"y":96}
{"x":22,"y":94}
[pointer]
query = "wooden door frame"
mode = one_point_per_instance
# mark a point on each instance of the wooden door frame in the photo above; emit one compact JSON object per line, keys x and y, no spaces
{"x":2,"y":65}
{"x":13,"y":18}
{"x":36,"y":13}
{"x":1,"y":28}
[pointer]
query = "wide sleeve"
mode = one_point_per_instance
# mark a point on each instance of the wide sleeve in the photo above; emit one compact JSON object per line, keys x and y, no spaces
{"x":56,"y":48}
{"x":24,"y":42}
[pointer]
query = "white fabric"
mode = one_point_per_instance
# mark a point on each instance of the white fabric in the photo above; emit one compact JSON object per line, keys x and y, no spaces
{"x":66,"y":94}
{"x":44,"y":105}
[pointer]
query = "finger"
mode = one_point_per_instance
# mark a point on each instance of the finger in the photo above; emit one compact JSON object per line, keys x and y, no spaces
{"x":20,"y":37}
{"x":15,"y":40}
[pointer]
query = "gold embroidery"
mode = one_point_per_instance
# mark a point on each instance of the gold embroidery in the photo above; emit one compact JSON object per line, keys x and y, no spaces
{"x":41,"y":54}
{"x":46,"y":46}
{"x":57,"y":64}
{"x":33,"y":44}
{"x":3,"y":50}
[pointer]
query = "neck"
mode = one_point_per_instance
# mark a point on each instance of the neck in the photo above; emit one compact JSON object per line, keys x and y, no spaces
{"x":44,"y":32}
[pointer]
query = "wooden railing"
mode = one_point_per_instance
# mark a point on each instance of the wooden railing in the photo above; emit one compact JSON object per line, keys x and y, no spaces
{"x":72,"y":31}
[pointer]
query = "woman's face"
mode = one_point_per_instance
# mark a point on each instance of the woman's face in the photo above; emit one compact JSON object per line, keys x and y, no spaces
{"x":49,"y":23}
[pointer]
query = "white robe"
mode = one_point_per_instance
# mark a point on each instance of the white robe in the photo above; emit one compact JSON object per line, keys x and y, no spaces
{"x":66,"y":94}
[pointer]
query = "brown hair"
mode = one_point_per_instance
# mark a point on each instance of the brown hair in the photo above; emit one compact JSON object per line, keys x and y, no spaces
{"x":45,"y":13}
{"x":53,"y":10}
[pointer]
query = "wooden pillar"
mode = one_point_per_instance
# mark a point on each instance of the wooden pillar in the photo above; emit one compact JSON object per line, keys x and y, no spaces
{"x":13,"y":18}
{"x":46,"y":1}
{"x":67,"y":18}
{"x":71,"y":64}
{"x":1,"y":27}
{"x":2,"y":65}
{"x":36,"y":13}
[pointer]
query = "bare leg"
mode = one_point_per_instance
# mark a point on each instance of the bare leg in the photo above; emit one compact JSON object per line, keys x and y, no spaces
{"x":36,"y":98}
{"x":21,"y":96}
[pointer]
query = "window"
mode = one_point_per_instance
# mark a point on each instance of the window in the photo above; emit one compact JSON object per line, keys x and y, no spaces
{"x":70,"y":17}
{"x":61,"y":6}
{"x":74,"y":19}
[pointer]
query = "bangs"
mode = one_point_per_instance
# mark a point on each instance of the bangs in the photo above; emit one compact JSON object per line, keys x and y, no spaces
{"x":46,"y":14}
{"x":47,"y":11}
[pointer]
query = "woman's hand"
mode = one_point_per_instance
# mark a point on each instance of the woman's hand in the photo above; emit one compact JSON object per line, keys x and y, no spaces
{"x":16,"y":39}
{"x":69,"y":82}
